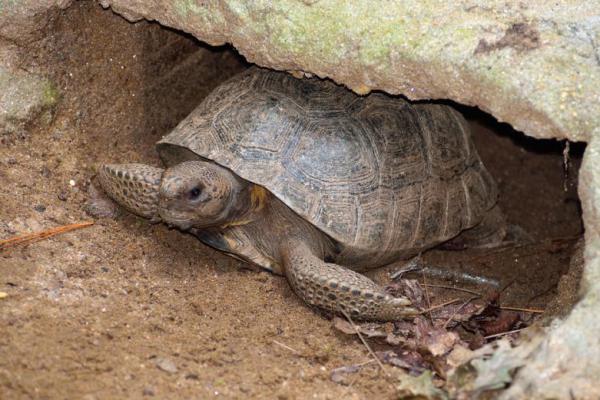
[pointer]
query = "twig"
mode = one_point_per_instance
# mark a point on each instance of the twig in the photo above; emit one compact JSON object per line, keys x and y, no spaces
{"x":285,"y":346}
{"x":456,"y":311}
{"x":530,"y":310}
{"x":36,"y":236}
{"x":362,"y":339}
{"x":438,"y":306}
{"x":452,"y":288}
{"x":503,"y":333}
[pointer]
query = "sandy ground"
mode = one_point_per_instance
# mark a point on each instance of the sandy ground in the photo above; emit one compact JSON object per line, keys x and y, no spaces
{"x":126,"y":309}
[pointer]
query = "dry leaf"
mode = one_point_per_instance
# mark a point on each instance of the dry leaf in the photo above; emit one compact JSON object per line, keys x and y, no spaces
{"x":410,"y":360}
{"x":419,"y":388}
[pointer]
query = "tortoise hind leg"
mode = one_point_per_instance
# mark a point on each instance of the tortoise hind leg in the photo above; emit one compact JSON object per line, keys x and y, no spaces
{"x":492,"y":231}
{"x":338,"y":289}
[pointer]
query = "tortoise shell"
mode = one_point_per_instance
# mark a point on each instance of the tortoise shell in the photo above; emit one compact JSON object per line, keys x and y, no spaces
{"x":382,"y":176}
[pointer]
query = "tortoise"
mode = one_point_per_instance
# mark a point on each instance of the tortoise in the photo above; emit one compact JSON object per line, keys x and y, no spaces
{"x":306,"y":179}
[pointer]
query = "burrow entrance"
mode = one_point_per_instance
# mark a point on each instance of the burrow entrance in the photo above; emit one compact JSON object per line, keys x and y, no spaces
{"x":117,"y":300}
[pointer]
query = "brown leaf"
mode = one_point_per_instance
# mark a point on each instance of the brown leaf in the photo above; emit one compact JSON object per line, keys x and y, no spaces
{"x":370,"y":330}
{"x":458,"y":312}
{"x":505,"y":321}
{"x":437,"y":341}
{"x":441,"y":342}
{"x":477,"y":341}
{"x":394,"y":339}
{"x":410,"y":360}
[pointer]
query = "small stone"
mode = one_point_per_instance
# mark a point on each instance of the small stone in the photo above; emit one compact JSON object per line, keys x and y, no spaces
{"x":192,"y":376}
{"x":166,"y":365}
{"x":62,"y":196}
{"x":244,"y":389}
{"x":40,"y":208}
{"x":72,"y":182}
{"x":148,"y":391}
{"x":46,"y":173}
{"x":3,"y":295}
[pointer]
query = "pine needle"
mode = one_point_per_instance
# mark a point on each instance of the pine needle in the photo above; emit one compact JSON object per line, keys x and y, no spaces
{"x":529,"y":310}
{"x":430,"y":309}
{"x":37,"y":236}
{"x":364,"y":342}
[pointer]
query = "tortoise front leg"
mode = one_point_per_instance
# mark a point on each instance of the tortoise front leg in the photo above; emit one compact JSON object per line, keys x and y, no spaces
{"x":133,"y":186}
{"x":338,"y":289}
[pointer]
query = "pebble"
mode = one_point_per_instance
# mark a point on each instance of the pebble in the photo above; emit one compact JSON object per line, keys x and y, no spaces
{"x":40,"y":208}
{"x":166,"y":365}
{"x":148,"y":391}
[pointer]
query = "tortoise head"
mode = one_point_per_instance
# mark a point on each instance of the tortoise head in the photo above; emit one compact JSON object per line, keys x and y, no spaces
{"x":196,"y":194}
{"x":199,"y":194}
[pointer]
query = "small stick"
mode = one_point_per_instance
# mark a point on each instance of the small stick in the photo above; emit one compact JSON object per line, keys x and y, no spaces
{"x":438,"y":306}
{"x":452,"y":288}
{"x":36,"y":236}
{"x":530,"y":310}
{"x":456,"y":311}
{"x":285,"y":346}
{"x":504,"y":333}
{"x":362,"y":339}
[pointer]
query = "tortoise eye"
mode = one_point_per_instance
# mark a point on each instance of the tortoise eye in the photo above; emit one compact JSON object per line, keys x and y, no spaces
{"x":195,"y":193}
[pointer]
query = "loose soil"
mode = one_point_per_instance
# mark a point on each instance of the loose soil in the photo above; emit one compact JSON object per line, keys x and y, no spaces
{"x":127,"y":309}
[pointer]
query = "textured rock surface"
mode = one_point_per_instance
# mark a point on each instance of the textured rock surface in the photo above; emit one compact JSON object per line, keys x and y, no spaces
{"x":533,"y":64}
{"x":21,"y":20}
{"x":23,"y":97}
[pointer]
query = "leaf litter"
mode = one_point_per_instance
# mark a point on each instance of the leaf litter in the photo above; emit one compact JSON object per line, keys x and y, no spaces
{"x":455,"y":349}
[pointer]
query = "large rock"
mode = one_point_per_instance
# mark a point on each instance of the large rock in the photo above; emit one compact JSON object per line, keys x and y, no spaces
{"x":23,"y":98}
{"x":533,"y":64}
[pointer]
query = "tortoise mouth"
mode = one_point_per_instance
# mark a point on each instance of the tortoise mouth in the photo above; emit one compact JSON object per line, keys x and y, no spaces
{"x":175,"y":219}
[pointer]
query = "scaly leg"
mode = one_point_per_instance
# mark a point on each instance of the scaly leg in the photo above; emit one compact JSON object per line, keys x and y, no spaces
{"x":339,"y":289}
{"x":133,"y":186}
